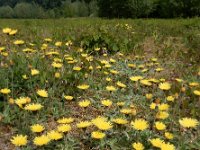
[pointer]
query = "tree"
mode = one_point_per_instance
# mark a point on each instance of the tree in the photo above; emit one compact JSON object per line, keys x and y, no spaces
{"x":6,"y":12}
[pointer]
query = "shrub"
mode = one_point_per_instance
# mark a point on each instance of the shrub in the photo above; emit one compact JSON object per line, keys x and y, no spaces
{"x":6,"y":12}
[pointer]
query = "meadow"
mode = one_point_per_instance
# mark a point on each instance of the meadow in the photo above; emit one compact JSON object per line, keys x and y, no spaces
{"x":100,"y":84}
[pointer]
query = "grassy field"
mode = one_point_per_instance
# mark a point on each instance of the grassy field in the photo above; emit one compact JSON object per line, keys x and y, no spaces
{"x":100,"y":84}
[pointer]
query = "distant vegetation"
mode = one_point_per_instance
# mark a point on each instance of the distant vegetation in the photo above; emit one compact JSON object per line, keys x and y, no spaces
{"x":101,"y":8}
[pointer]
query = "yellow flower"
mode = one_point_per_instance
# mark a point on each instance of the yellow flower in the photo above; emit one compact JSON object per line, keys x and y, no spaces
{"x":149,"y":96}
{"x":145,"y":82}
{"x":84,"y":103}
{"x":153,"y":106}
{"x":160,"y":125}
{"x":162,"y":115}
{"x":164,"y":86}
{"x":56,"y":65}
{"x":111,"y":88}
{"x":42,"y":93}
{"x":22,"y":100}
{"x":108,"y":79}
{"x":41,"y":140}
{"x":33,"y":107}
{"x":19,"y":140}
{"x":5,"y":91}
{"x":76,"y":68}
{"x":167,"y":146}
{"x":102,"y":123}
{"x":170,"y":98}
{"x":64,"y":128}
{"x":58,"y":44}
{"x":55,"y":135}
{"x":120,"y":121}
{"x":34,"y":72}
{"x":120,"y":84}
{"x":6,"y":30}
{"x":98,"y":135}
{"x":83,"y":86}
{"x":140,"y":124}
{"x":37,"y":128}
{"x":157,"y":142}
{"x":57,"y":75}
{"x":48,"y":39}
{"x":65,"y":120}
{"x":163,"y":107}
{"x":120,"y":103}
{"x":128,"y":111}
{"x":193,"y":84}
{"x":18,"y":42}
{"x":83,"y":124}
{"x":24,"y":76}
{"x":131,"y":65}
{"x":138,"y":146}
{"x":106,"y":103}
{"x":169,"y":135}
{"x":114,"y":71}
{"x":136,"y":78}
{"x":197,"y":92}
{"x":68,"y":97}
{"x":13,"y":32}
{"x":188,"y":122}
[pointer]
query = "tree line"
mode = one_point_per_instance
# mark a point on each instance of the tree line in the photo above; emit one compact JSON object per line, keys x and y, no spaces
{"x":101,"y":8}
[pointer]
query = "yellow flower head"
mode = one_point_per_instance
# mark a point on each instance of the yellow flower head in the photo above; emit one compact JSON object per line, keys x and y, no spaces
{"x":106,"y":103}
{"x":65,"y":120}
{"x":156,"y":142}
{"x":33,"y":107}
{"x":162,"y":115}
{"x":6,"y":30}
{"x":19,"y":140}
{"x":170,"y":98}
{"x":136,"y":78}
{"x":37,"y":128}
{"x":22,"y":100}
{"x":149,"y":96}
{"x":76,"y":68}
{"x":34,"y":72}
{"x":138,"y":146}
{"x":41,"y":140}
{"x":84,"y":103}
{"x":120,"y":121}
{"x":111,"y":88}
{"x":169,"y":135}
{"x":83,"y":124}
{"x":68,"y":97}
{"x":145,"y":82}
{"x":197,"y":92}
{"x":42,"y":93}
{"x":160,"y":125}
{"x":163,"y":107}
{"x":19,"y":42}
{"x":98,"y":135}
{"x":5,"y":91}
{"x":102,"y":123}
{"x":83,"y":86}
{"x":120,"y":84}
{"x":56,"y":65}
{"x":55,"y":135}
{"x":167,"y":146}
{"x":140,"y":124}
{"x":188,"y":122}
{"x":164,"y":86}
{"x":64,"y":128}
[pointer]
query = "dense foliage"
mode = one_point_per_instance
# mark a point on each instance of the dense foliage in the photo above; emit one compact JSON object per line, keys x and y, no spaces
{"x":102,"y":8}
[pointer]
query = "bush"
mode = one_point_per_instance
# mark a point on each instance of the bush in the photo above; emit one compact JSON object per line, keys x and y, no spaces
{"x":27,"y":10}
{"x":6,"y":12}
